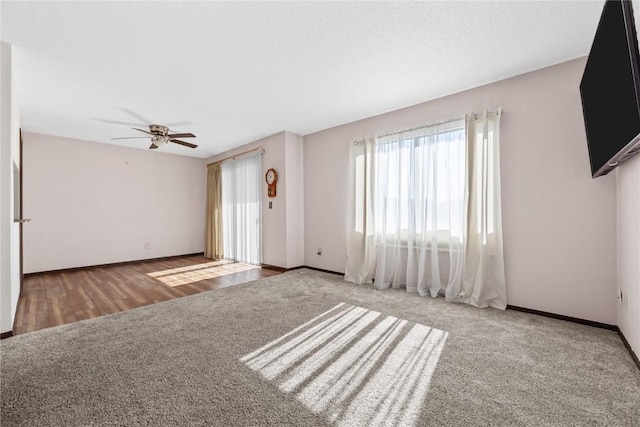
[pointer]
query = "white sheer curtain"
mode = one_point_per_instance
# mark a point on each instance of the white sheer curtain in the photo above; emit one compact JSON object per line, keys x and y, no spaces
{"x":241,"y":209}
{"x":483,"y":283}
{"x":361,"y":255}
{"x":419,"y":209}
{"x":424,"y":212}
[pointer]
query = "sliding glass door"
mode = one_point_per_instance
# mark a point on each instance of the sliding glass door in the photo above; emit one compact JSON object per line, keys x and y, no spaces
{"x":242,"y":209}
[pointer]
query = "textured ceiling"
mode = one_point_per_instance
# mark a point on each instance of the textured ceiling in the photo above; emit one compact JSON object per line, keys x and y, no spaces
{"x":234,"y":72}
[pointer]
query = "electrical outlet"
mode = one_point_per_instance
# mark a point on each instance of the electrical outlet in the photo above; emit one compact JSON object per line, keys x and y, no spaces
{"x":625,"y":300}
{"x":620,"y":300}
{"x":319,"y":251}
{"x":147,"y":245}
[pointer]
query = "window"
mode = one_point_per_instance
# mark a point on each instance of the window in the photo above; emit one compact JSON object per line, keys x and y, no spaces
{"x":420,"y":186}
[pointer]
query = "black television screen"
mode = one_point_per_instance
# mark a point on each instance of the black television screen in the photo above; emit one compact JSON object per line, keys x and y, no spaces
{"x":609,"y":89}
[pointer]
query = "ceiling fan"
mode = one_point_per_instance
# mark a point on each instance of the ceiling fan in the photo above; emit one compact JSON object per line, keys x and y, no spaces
{"x":160,"y":136}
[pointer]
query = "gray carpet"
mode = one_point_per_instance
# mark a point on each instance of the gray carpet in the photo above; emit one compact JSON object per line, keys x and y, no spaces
{"x":308,"y":349}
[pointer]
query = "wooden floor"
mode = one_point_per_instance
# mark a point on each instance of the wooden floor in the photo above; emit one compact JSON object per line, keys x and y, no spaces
{"x":51,"y":299}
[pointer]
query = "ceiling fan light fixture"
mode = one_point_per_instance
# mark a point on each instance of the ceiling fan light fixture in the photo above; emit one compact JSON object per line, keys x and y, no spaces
{"x":159,"y":140}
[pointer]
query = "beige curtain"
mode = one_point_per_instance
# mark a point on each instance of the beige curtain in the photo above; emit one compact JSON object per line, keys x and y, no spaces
{"x":213,"y":225}
{"x":483,"y":282}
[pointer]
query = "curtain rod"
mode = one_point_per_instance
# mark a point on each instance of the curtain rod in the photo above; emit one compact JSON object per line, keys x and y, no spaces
{"x":457,"y":119}
{"x":497,"y":111}
{"x":261,"y":150}
{"x":475,"y":116}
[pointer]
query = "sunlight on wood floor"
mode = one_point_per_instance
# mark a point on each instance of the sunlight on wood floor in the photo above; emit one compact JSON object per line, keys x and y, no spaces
{"x":195,"y":273}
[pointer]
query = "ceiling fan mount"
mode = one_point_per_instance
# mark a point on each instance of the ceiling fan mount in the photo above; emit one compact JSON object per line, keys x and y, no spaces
{"x":159,"y":130}
{"x":160,"y":135}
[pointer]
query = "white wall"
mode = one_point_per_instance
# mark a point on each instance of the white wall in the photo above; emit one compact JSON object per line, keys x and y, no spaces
{"x":628,"y":192}
{"x":628,"y":241}
{"x":282,"y":230}
{"x":93,"y":203}
{"x":559,"y":224}
{"x":9,"y":156}
{"x":295,"y":199}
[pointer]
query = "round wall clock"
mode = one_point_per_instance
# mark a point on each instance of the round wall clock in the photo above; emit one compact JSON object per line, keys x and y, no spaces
{"x":272,"y":178}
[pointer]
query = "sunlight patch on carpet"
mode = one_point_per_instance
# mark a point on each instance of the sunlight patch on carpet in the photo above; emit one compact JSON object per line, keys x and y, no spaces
{"x":195,"y":273}
{"x":354,"y":365}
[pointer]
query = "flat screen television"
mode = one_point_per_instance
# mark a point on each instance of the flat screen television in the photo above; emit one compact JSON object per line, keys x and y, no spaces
{"x":610,"y":90}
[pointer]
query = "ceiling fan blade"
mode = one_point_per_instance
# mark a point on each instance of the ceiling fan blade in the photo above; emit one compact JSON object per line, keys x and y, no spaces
{"x":116,"y":122}
{"x":186,"y":144}
{"x":145,"y":131}
{"x":136,"y":115}
{"x":181,"y":135}
{"x":177,"y":124}
{"x":131,"y":137}
{"x":153,"y":147}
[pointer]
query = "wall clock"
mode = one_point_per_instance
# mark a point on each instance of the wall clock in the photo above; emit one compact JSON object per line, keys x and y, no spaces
{"x":272,"y":178}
